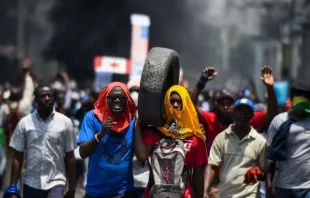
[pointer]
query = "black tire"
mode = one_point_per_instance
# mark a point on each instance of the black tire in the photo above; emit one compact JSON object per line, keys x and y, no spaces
{"x":160,"y":72}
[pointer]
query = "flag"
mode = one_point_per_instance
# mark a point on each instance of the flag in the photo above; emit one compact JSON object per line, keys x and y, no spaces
{"x":108,"y":64}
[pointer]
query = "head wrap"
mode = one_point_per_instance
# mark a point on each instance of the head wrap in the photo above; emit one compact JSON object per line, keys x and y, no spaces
{"x":102,"y":110}
{"x":184,"y":123}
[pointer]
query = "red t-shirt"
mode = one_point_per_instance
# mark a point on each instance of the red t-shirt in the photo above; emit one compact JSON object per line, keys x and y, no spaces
{"x":213,"y":126}
{"x":196,"y":155}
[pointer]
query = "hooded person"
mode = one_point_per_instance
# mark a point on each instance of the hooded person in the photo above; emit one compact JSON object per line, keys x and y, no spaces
{"x":181,"y":129}
{"x":106,"y":136}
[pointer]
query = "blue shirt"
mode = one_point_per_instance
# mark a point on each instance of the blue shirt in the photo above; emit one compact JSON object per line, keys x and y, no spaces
{"x":110,"y":166}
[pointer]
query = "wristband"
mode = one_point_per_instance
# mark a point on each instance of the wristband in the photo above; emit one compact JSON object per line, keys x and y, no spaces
{"x":96,"y":138}
{"x":200,"y":85}
{"x":11,"y":190}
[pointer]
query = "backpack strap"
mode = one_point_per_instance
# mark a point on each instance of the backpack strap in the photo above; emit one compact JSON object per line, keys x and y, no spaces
{"x":278,"y":149}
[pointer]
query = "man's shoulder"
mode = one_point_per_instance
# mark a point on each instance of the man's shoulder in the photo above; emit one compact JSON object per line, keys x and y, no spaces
{"x":279,"y":119}
{"x":28,"y":118}
{"x":281,"y":116}
{"x":224,"y":134}
{"x":209,"y":117}
{"x":90,"y":115}
{"x":258,"y":137}
{"x":207,"y":113}
{"x":62,"y":117}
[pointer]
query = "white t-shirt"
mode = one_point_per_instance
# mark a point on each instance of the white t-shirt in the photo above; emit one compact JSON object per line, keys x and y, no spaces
{"x":140,"y":173}
{"x":294,"y":173}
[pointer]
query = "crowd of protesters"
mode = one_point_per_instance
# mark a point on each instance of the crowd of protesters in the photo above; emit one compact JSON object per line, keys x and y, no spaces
{"x":55,"y":138}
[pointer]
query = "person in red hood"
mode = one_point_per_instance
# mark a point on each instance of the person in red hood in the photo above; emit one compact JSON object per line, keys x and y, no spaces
{"x":106,"y":137}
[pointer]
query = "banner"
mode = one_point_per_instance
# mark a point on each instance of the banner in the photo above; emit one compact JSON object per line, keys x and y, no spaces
{"x":139,"y":43}
{"x":281,"y":89}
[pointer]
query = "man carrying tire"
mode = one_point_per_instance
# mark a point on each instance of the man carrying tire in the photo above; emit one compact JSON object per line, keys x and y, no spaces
{"x":106,"y":137}
{"x":177,"y":149}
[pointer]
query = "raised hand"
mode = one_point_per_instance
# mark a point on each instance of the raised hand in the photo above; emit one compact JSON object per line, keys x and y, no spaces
{"x":209,"y":73}
{"x":107,"y":124}
{"x":267,"y":76}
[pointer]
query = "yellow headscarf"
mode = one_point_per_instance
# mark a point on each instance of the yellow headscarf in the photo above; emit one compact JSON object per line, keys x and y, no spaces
{"x":184,"y":123}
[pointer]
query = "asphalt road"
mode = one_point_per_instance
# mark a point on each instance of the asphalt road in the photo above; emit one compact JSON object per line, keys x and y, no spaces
{"x":78,"y":194}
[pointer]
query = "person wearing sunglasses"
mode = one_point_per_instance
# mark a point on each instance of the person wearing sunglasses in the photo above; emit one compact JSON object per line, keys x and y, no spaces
{"x":106,"y":137}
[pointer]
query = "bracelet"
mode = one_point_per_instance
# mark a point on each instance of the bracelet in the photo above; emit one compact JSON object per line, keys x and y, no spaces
{"x":96,"y":138}
{"x":200,"y":85}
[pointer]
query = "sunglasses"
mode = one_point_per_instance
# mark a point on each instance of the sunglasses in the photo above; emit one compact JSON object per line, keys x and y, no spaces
{"x":121,"y":98}
{"x":172,"y":101}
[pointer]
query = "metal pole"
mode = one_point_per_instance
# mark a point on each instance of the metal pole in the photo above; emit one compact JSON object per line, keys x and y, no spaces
{"x":20,"y":32}
{"x":292,"y":40}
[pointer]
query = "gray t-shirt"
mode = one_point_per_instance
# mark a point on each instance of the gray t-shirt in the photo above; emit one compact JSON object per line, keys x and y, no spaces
{"x":293,"y":173}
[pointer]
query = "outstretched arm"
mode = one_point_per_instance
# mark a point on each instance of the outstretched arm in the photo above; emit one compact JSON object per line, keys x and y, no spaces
{"x":142,"y":150}
{"x":207,"y":74}
{"x":272,"y":105}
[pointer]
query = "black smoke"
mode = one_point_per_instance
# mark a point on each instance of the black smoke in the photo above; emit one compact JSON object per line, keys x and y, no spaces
{"x":68,"y":34}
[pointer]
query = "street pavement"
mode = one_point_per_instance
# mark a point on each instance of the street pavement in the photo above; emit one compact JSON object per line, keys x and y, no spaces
{"x":78,"y":194}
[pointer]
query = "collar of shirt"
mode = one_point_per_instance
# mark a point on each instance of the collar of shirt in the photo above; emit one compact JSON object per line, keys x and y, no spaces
{"x":251,"y":134}
{"x":49,"y":117}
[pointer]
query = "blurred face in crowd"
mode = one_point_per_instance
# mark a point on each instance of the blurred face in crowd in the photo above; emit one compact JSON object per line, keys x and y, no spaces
{"x":60,"y":98}
{"x":6,"y":86}
{"x":16,"y":93}
{"x":176,"y":101}
{"x":226,"y":105}
{"x":117,"y":100}
{"x":45,"y":98}
{"x":224,"y":108}
{"x":242,"y":115}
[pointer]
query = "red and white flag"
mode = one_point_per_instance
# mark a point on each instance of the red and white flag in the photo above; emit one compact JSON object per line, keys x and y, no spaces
{"x":108,"y":64}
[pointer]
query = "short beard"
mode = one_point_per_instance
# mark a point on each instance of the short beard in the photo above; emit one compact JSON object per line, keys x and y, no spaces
{"x":225,"y":119}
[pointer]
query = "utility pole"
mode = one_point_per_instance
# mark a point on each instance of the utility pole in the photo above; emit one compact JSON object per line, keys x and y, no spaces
{"x":296,"y":20}
{"x":20,"y":43}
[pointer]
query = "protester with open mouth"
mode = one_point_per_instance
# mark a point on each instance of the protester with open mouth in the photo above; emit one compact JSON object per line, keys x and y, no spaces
{"x":106,"y":137}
